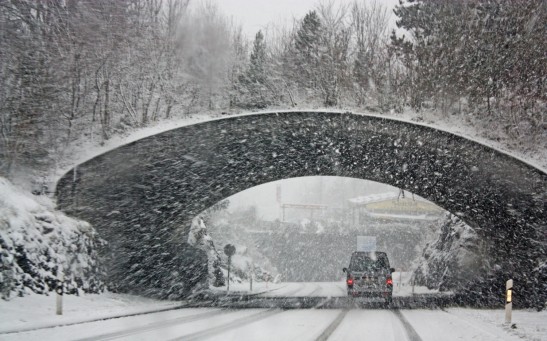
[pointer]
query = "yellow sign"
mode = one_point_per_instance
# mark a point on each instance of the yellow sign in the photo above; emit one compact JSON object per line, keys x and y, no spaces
{"x":403,"y":206}
{"x":509,"y":295}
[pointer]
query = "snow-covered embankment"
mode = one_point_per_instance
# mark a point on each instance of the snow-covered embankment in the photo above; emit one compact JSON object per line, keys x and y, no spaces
{"x":37,"y":243}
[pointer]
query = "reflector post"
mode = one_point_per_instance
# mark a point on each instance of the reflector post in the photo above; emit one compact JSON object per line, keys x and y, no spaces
{"x":508,"y":301}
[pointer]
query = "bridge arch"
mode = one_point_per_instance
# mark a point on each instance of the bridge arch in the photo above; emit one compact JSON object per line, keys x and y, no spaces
{"x":139,"y":193}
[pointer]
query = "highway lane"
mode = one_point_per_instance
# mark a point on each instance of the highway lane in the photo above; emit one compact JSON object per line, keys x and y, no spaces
{"x":278,"y":324}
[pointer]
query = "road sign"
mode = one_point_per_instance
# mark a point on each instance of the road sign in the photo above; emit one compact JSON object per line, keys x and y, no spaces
{"x":229,"y":250}
{"x":366,"y":243}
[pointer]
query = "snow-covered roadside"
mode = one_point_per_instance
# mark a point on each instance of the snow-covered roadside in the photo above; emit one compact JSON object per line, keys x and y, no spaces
{"x":319,"y":289}
{"x":37,"y":243}
{"x":525,"y":324}
{"x":38,"y":311}
{"x":244,"y":288}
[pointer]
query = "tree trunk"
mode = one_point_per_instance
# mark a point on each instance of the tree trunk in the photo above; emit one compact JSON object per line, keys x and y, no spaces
{"x":106,"y":113}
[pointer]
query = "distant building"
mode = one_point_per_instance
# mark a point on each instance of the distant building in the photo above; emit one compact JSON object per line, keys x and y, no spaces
{"x":401,"y":223}
{"x":392,"y":208}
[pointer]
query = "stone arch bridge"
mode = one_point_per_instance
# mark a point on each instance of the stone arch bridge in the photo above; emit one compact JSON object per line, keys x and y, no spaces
{"x":141,"y":197}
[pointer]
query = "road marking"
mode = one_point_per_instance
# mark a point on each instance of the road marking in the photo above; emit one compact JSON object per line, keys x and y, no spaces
{"x":332,"y":327}
{"x":230,"y":325}
{"x":410,"y":332}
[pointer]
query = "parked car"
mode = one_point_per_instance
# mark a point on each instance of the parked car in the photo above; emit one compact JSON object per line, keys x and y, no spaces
{"x":369,"y":275}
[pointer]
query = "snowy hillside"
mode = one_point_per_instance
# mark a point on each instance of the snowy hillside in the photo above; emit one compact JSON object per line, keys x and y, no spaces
{"x":452,"y":259}
{"x":244,"y":261}
{"x":199,"y":238}
{"x":37,"y":243}
{"x":457,"y":256}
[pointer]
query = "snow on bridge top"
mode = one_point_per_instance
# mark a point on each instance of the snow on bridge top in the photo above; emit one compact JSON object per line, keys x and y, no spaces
{"x":90,"y":150}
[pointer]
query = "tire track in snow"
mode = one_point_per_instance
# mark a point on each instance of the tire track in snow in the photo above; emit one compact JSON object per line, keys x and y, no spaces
{"x":289,"y":293}
{"x":410,"y":332}
{"x":154,"y":326}
{"x":332,"y":327}
{"x":315,"y":291}
{"x":230,"y":325}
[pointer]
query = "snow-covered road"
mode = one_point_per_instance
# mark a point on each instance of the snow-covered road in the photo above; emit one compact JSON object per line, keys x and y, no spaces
{"x":105,"y":317}
{"x":297,"y":324}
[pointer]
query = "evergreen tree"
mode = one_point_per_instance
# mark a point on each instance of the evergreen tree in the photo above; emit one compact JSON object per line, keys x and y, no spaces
{"x":257,"y":67}
{"x":255,"y":89}
{"x":476,"y":50}
{"x":305,"y":54}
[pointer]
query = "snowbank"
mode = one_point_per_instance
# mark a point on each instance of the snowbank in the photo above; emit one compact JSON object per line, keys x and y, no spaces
{"x":453,"y":259}
{"x":199,"y":238}
{"x":37,"y":243}
{"x":38,"y":311}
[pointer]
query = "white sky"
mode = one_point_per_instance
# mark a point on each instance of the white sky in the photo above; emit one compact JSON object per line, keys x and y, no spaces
{"x":326,"y":190}
{"x":254,"y":15}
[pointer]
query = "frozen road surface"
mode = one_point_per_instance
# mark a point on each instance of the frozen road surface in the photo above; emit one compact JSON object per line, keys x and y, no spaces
{"x":125,"y":317}
{"x":297,"y":324}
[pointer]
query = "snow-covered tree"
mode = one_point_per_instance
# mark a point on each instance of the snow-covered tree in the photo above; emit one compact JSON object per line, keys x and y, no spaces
{"x":255,"y":87}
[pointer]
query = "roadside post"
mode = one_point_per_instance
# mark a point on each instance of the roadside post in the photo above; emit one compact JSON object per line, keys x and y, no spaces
{"x":251,"y":277}
{"x":229,"y":250}
{"x":508,"y":301}
{"x":413,"y":280}
{"x":59,"y":291}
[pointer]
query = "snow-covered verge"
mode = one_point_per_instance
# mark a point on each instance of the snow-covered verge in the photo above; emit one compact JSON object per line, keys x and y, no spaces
{"x":525,"y":324}
{"x":452,"y":259}
{"x":198,"y":237}
{"x":248,"y":259}
{"x":39,"y":311}
{"x":242,"y":264}
{"x":458,"y":256}
{"x":37,"y":243}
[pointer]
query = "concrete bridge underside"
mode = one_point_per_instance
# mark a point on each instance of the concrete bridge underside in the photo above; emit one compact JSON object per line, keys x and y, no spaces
{"x":141,"y":197}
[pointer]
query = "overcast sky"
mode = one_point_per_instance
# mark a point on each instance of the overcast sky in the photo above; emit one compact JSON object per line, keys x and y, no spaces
{"x":254,"y":15}
{"x":326,"y":190}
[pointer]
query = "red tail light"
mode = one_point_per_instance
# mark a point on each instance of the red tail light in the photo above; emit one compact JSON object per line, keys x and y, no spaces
{"x":350,"y":281}
{"x":389,"y":281}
